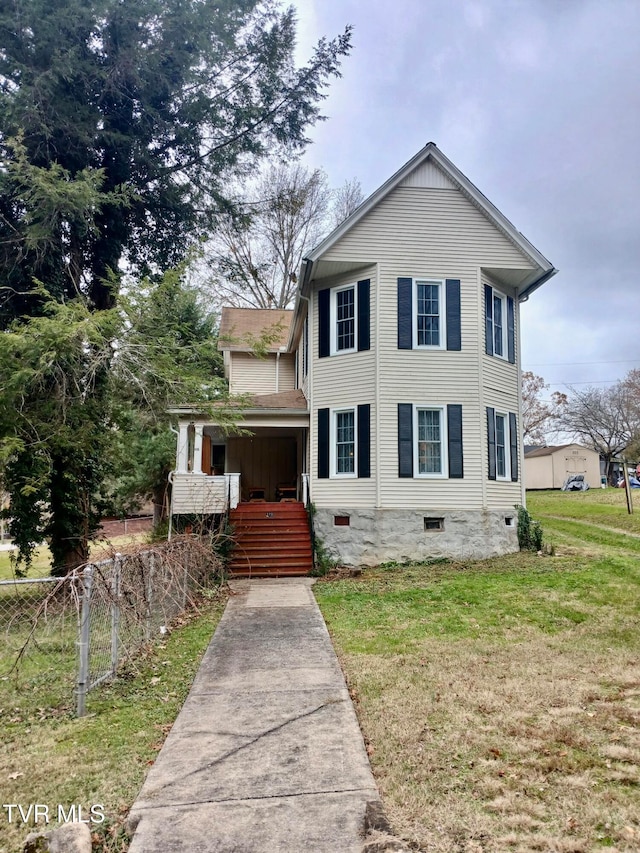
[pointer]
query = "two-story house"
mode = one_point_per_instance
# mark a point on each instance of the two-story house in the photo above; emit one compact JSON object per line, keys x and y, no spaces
{"x":389,"y":397}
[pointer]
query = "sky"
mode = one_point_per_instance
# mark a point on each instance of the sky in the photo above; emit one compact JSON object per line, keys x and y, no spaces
{"x":537,"y":102}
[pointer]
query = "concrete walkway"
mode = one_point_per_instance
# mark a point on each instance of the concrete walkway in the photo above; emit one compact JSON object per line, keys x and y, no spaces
{"x":266,"y":754}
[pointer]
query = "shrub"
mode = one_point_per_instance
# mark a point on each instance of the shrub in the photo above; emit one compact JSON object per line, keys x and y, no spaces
{"x":530,"y":533}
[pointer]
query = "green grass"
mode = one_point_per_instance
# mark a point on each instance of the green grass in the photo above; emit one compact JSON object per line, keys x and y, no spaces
{"x":607,"y":507}
{"x":500,"y":700}
{"x":51,"y":757}
{"x":41,"y":564}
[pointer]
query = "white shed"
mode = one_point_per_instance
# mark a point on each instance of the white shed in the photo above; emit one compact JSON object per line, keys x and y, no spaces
{"x":549,"y":467}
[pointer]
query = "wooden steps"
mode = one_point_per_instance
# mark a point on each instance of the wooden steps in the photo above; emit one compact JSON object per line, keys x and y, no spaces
{"x":271,"y":540}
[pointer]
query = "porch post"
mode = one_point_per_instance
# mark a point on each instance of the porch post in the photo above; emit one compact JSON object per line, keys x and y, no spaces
{"x":197,"y":449}
{"x":234,"y":490}
{"x":183,"y":448}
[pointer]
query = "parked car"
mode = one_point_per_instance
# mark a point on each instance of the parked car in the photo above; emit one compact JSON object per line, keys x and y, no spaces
{"x":633,"y":482}
{"x":575,"y":483}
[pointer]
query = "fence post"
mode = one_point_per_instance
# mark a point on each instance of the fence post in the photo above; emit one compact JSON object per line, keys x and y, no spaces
{"x":186,"y":581}
{"x":149,"y":597}
{"x":83,"y":642}
{"x":115,"y":610}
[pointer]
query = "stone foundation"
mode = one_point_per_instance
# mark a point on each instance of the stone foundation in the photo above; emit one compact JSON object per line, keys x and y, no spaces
{"x":378,"y":536}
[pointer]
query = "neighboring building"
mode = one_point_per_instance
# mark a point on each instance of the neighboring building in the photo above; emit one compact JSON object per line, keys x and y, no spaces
{"x":549,"y":467}
{"x":393,"y":404}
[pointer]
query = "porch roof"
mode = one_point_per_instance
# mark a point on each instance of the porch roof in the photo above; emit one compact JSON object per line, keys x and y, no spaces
{"x":281,"y":400}
{"x":284,"y":403}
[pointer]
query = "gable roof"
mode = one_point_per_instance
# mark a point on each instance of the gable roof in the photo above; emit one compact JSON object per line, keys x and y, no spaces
{"x":242,"y":328}
{"x":534,"y":452}
{"x":542,"y":269}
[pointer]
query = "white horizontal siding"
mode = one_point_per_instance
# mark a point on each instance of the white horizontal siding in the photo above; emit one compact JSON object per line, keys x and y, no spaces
{"x":420,"y":230}
{"x":252,"y":375}
{"x":427,"y":174}
{"x":287,"y":372}
{"x":344,"y":380}
{"x":437,"y":226}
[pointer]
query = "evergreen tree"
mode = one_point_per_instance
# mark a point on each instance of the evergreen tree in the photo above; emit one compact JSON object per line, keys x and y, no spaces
{"x":119,"y":124}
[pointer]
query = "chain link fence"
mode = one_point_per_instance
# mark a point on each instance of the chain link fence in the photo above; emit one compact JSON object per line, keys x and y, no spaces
{"x":74,"y":633}
{"x":38,"y":641}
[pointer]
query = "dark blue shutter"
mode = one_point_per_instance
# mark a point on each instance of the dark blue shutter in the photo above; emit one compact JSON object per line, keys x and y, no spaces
{"x":323,"y":443}
{"x":405,"y":319}
{"x":405,"y":440}
{"x":324,"y":323}
{"x":454,"y":336}
{"x":364,"y":311}
{"x":491,"y":442}
{"x":488,"y":319}
{"x":511,"y":334}
{"x":454,"y":440}
{"x":364,"y":440}
{"x":513,"y":440}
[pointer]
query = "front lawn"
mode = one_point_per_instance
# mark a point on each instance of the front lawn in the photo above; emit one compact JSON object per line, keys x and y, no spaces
{"x":500,"y":700}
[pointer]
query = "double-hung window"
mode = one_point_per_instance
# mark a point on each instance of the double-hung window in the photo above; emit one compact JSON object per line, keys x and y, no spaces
{"x":345,"y":442}
{"x":428,"y":300}
{"x":429,"y":314}
{"x":502,"y":440}
{"x":344,"y":319}
{"x":430,"y":441}
{"x":499,"y":326}
{"x":499,"y":322}
{"x":429,"y":445}
{"x":502,"y":445}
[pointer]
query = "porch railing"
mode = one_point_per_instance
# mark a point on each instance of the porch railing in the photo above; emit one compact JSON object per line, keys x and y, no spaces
{"x":200,"y":494}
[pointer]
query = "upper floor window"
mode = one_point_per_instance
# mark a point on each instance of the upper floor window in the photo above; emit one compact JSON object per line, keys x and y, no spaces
{"x":499,"y":319}
{"x":344,"y":319}
{"x":343,"y":326}
{"x":429,"y":313}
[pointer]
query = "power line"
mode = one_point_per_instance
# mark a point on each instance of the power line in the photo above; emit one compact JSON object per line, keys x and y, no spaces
{"x":574,"y":363}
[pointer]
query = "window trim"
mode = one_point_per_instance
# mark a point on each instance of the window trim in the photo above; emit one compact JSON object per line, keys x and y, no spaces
{"x":507,"y":446}
{"x":333,"y":432}
{"x":443,"y":474}
{"x":442,"y":312}
{"x":333,"y":319}
{"x":504,"y":337}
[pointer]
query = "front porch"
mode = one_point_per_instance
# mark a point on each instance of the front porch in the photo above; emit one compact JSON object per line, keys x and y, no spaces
{"x":267,"y":461}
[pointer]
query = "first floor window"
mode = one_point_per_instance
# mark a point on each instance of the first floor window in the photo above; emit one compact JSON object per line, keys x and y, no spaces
{"x":429,"y":441}
{"x":502,"y":433}
{"x":345,"y":442}
{"x":502,"y":437}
